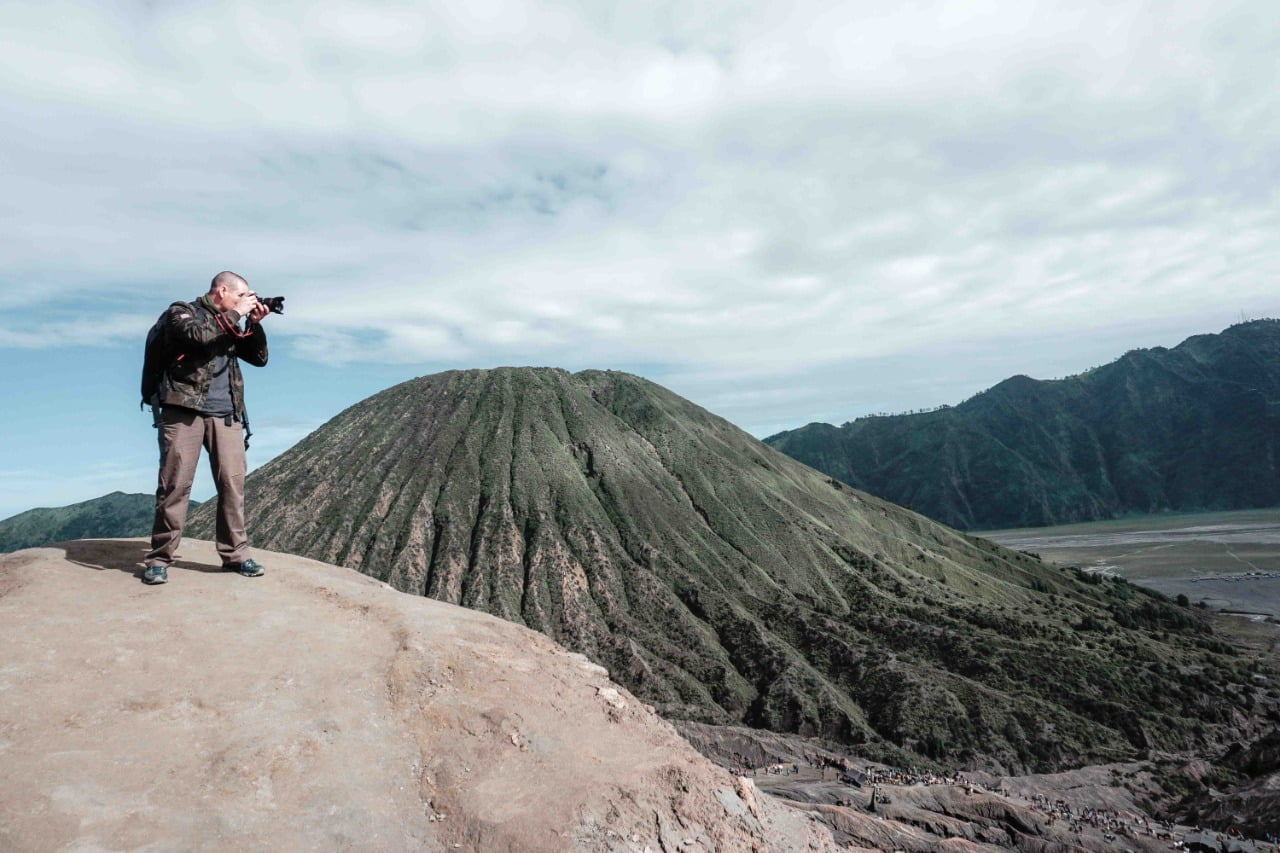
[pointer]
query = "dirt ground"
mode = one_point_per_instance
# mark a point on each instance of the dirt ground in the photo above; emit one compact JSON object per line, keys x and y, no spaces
{"x":1228,"y":560}
{"x":316,"y":708}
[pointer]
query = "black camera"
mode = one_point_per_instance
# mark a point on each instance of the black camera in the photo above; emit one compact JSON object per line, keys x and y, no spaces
{"x":275,"y":303}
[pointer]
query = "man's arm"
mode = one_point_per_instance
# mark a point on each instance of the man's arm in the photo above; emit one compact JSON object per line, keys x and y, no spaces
{"x":253,"y":348}
{"x":186,"y":331}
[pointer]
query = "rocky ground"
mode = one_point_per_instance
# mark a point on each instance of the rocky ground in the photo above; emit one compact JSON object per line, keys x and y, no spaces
{"x":1089,"y":809}
{"x":1100,"y":807}
{"x":315,"y":708}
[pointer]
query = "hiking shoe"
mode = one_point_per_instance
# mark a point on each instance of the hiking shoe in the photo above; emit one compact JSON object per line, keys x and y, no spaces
{"x":249,"y":568}
{"x":156,"y":574}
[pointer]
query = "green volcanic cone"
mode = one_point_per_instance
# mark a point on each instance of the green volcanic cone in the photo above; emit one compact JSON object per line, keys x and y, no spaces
{"x":727,"y":583}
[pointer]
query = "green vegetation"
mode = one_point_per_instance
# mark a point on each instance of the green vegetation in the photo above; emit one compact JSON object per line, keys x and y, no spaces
{"x":1190,"y":428}
{"x":726,"y":583}
{"x":112,"y":516}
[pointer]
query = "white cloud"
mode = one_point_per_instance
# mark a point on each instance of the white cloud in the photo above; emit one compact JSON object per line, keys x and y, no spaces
{"x":73,"y":332}
{"x":711,"y":188}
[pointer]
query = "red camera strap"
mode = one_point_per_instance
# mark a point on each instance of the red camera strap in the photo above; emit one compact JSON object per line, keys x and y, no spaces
{"x":230,"y":328}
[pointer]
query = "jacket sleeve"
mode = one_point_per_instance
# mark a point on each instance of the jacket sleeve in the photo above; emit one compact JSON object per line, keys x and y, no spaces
{"x":253,"y":349}
{"x":187,"y":332}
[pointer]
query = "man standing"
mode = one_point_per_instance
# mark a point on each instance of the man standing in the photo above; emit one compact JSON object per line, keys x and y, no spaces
{"x":202,"y":405}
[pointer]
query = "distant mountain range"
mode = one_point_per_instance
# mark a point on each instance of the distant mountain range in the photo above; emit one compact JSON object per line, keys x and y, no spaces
{"x":726,"y":583}
{"x":112,"y":516}
{"x":1196,"y":427}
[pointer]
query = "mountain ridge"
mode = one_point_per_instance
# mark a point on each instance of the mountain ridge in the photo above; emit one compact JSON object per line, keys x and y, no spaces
{"x":109,"y":516}
{"x":1195,"y":427}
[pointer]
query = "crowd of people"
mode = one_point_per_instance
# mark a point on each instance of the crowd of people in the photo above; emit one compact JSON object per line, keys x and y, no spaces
{"x":742,"y":765}
{"x":781,"y":770}
{"x":896,"y":776}
{"x":1112,"y":823}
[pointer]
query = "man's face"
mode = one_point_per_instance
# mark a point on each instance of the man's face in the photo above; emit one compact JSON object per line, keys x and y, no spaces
{"x":226,"y":296}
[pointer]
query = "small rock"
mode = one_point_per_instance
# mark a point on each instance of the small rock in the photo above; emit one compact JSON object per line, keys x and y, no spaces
{"x":612,"y":696}
{"x":585,"y":663}
{"x":747,"y":793}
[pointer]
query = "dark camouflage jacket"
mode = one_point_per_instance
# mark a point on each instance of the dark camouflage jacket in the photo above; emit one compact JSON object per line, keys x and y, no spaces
{"x":193,"y":338}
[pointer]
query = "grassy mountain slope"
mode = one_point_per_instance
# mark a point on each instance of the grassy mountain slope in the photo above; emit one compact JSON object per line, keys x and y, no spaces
{"x":1196,"y":427}
{"x":727,"y":583}
{"x":109,"y":517}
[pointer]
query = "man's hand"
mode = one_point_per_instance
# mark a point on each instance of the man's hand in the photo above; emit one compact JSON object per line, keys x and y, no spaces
{"x":258,"y":312}
{"x":246,"y":304}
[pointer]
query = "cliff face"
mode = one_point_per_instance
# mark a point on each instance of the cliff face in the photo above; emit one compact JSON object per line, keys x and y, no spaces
{"x":1196,"y":427}
{"x":726,"y":583}
{"x":314,"y":708}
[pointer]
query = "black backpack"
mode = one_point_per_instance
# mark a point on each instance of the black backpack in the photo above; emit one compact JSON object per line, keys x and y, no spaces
{"x":155,"y":361}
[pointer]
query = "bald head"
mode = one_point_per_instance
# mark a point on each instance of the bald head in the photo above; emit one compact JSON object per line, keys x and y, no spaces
{"x":227,"y":279}
{"x":228,"y":290}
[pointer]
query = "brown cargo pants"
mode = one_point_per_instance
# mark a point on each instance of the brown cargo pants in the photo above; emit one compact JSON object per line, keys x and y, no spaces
{"x":182,"y":434}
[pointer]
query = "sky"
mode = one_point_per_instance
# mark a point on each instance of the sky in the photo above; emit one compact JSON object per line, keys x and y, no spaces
{"x":785,"y":211}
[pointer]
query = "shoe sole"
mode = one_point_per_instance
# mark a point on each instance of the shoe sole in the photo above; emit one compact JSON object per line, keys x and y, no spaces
{"x":155,"y":581}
